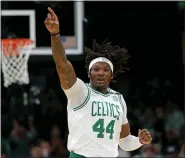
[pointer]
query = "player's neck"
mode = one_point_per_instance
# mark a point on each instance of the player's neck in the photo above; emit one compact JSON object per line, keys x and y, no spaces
{"x":100,"y":89}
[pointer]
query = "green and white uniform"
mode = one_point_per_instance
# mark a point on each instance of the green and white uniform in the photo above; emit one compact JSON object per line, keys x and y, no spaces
{"x":94,"y":120}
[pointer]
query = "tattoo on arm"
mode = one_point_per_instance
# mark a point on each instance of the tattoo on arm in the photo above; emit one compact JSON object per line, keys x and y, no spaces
{"x":64,"y":67}
{"x":58,"y":50}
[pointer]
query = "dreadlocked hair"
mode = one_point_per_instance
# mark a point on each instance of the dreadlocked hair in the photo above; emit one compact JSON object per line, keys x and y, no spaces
{"x":118,"y":56}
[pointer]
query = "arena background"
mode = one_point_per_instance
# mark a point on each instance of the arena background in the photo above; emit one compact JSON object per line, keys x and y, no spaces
{"x":153,"y":33}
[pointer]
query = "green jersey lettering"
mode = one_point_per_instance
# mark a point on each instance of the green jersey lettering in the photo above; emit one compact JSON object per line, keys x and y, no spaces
{"x":114,"y":110}
{"x":103,"y":114}
{"x":111,"y":110}
{"x":99,"y":108}
{"x":107,"y":108}
{"x":93,"y":104}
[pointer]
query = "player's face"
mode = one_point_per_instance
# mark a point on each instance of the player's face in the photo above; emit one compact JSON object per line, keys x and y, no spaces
{"x":100,"y":75}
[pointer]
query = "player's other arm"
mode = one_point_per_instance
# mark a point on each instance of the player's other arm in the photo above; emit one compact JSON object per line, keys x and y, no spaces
{"x":65,"y":69}
{"x":129,"y":142}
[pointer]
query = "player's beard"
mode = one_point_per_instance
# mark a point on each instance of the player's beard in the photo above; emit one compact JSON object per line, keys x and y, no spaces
{"x":101,"y":89}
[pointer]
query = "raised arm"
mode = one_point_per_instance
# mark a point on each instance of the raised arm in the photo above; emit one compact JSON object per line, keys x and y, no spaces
{"x":64,"y":67}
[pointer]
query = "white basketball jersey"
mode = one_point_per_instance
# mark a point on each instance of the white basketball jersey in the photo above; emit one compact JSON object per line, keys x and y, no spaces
{"x":94,"y":120}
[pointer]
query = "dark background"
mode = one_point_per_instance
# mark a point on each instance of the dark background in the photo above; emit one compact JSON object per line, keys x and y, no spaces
{"x":151,"y":31}
{"x":65,"y":12}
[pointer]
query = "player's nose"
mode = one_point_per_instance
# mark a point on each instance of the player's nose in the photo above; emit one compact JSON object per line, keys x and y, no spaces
{"x":101,"y":73}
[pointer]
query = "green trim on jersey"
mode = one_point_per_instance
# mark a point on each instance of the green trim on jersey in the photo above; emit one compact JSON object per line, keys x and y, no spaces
{"x":85,"y":102}
{"x":121,"y":102}
{"x":74,"y":155}
{"x":105,"y":95}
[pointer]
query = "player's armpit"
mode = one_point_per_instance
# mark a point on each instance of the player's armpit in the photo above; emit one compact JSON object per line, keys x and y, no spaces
{"x":65,"y":69}
{"x":125,"y":130}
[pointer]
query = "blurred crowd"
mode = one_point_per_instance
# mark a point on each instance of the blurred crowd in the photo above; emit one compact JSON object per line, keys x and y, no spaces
{"x":34,"y":120}
{"x":159,"y":111}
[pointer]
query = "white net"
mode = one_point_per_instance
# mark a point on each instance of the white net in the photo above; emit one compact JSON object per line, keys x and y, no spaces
{"x":15,"y":62}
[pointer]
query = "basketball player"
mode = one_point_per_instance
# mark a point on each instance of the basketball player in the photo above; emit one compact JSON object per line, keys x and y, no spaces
{"x":97,"y":118}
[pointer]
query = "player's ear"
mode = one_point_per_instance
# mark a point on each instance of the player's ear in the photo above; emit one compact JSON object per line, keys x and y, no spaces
{"x":89,"y":74}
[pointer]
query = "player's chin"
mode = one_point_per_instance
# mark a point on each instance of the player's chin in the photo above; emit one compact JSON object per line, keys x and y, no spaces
{"x":100,"y":87}
{"x":100,"y":84}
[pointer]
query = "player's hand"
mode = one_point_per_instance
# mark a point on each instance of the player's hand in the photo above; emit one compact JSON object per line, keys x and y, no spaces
{"x":52,"y":22}
{"x":144,"y":136}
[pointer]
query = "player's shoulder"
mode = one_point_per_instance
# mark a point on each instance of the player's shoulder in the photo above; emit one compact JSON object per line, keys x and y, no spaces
{"x":78,"y":88}
{"x":80,"y":83}
{"x":114,"y":92}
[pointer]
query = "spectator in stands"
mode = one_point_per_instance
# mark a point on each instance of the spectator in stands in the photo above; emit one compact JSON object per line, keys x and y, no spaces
{"x":172,"y":151}
{"x":35,"y":152}
{"x":45,"y":148}
{"x":57,"y":143}
{"x":6,"y":126}
{"x":148,"y":151}
{"x":21,"y":136}
{"x":174,"y":120}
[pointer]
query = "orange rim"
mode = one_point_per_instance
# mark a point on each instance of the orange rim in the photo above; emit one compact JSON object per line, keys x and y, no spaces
{"x":10,"y":46}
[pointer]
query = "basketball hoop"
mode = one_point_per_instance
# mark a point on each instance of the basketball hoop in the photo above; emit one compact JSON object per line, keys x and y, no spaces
{"x":15,"y":55}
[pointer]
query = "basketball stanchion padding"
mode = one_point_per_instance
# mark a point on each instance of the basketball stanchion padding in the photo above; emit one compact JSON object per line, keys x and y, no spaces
{"x":15,"y":55}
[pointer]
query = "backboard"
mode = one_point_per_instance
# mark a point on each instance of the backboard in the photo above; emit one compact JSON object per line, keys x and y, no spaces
{"x":23,"y":19}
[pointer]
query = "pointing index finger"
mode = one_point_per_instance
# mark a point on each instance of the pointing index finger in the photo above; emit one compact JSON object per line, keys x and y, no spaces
{"x":51,"y":11}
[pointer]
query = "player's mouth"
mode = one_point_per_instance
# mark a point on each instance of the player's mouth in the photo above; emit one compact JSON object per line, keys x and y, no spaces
{"x":100,"y":80}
